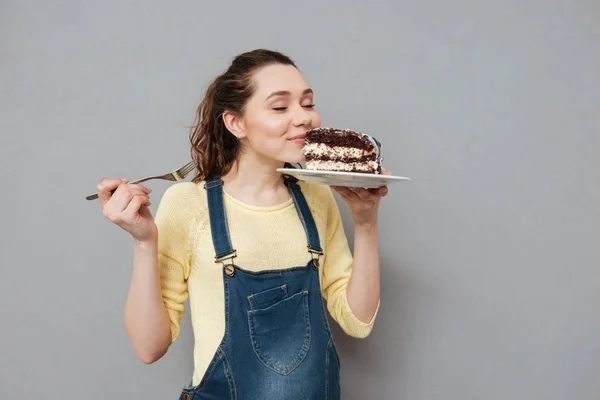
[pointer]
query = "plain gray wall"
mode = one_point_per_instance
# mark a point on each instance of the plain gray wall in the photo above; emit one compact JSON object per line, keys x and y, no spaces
{"x":490,"y":256}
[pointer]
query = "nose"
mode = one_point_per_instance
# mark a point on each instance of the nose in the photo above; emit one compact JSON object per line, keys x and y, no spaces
{"x":301,"y":116}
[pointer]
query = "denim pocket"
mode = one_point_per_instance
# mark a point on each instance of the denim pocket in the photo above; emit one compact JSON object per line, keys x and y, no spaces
{"x":267,"y":297}
{"x":280,"y":333}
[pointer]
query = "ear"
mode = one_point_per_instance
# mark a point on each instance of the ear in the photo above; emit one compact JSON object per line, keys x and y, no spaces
{"x":234,"y":124}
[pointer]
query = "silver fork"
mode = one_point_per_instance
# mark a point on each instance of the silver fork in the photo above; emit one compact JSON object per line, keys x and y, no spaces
{"x":177,"y":175}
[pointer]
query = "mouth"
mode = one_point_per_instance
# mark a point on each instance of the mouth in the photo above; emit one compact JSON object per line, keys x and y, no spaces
{"x":298,"y":138}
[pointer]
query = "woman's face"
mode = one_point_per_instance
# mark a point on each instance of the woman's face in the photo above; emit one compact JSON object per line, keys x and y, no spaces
{"x":279,"y":113}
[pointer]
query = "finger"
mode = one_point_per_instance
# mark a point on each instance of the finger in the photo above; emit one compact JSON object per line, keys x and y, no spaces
{"x":343,"y":191}
{"x":344,"y":195}
{"x":362,"y":194}
{"x":106,"y":187}
{"x":145,"y":211}
{"x":124,"y":194}
{"x":140,"y":186}
{"x":130,"y":186}
{"x":133,"y":208}
{"x":385,"y":171}
{"x":379,"y":192}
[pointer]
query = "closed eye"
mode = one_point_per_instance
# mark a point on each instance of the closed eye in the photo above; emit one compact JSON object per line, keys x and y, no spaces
{"x":285,"y":108}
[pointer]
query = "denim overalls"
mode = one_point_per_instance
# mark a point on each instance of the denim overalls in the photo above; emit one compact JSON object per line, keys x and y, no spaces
{"x":277,"y":343}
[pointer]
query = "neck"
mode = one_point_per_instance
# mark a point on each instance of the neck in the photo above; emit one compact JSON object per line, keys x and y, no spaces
{"x":254,"y":180}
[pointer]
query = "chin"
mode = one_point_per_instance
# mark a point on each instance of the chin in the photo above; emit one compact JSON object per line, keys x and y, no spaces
{"x":295,"y":158}
{"x":295,"y":155}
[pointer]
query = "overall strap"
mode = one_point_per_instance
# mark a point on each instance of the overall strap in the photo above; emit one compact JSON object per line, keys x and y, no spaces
{"x":312,"y":234}
{"x":218,"y":220}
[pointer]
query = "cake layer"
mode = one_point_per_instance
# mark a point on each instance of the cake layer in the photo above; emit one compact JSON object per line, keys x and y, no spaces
{"x":322,"y":151}
{"x":325,"y":157}
{"x":369,"y":167}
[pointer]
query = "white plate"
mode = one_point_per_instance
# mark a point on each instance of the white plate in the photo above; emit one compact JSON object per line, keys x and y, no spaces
{"x":335,"y":178}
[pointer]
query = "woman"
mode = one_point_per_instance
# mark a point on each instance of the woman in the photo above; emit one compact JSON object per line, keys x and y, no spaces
{"x":256,"y":253}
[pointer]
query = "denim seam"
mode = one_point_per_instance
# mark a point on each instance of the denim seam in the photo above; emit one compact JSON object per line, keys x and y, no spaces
{"x":226,"y":227}
{"x":271,"y":272}
{"x":228,"y":374}
{"x":226,"y":288}
{"x":335,"y":354}
{"x":323,"y":310}
{"x":327,"y":377}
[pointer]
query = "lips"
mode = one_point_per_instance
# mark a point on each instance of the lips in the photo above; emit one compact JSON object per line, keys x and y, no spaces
{"x":299,"y":137}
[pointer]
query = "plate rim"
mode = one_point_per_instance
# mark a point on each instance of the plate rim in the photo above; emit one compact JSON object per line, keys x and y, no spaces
{"x":342,"y":173}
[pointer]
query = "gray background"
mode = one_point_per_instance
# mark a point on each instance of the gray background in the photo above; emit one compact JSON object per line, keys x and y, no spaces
{"x":490,"y":255}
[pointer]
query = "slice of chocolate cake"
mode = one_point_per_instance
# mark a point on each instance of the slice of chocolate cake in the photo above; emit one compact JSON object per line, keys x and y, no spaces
{"x":328,"y":149}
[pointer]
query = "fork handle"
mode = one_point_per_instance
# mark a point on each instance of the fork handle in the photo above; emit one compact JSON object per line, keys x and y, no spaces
{"x":95,"y":195}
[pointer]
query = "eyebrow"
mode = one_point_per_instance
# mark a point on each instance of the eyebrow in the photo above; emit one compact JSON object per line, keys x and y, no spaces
{"x":286,"y":93}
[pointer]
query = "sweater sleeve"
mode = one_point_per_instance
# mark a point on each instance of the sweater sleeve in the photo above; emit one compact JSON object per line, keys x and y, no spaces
{"x":174,"y":252}
{"x":337,"y":269}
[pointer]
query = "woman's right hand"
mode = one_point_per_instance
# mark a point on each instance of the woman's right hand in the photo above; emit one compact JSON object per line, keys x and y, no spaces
{"x":128,"y":207}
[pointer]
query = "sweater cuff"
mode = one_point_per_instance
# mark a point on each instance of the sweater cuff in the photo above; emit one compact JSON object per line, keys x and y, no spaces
{"x":358,"y":328}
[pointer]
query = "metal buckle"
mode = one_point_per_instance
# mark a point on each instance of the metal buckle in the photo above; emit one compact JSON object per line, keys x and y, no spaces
{"x":313,"y":251}
{"x":315,"y":263}
{"x":225,"y":257}
{"x":315,"y":260}
{"x":213,"y":185}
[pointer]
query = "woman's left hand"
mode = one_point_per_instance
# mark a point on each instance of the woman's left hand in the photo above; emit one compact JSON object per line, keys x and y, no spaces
{"x":363,"y":203}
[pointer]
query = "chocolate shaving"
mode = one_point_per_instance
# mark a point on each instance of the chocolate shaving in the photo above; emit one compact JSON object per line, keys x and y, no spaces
{"x":340,"y":138}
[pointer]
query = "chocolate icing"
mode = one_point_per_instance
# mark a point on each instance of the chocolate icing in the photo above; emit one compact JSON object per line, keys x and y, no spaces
{"x":340,"y":138}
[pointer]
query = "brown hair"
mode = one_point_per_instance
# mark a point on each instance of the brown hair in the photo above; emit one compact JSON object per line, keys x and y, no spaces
{"x":213,"y":148}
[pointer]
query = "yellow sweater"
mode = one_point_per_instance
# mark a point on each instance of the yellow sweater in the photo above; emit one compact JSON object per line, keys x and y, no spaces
{"x":264,"y":237}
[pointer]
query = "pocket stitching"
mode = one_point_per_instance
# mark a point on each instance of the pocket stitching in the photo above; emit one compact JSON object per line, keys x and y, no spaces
{"x":252,"y":297}
{"x":305,"y":346}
